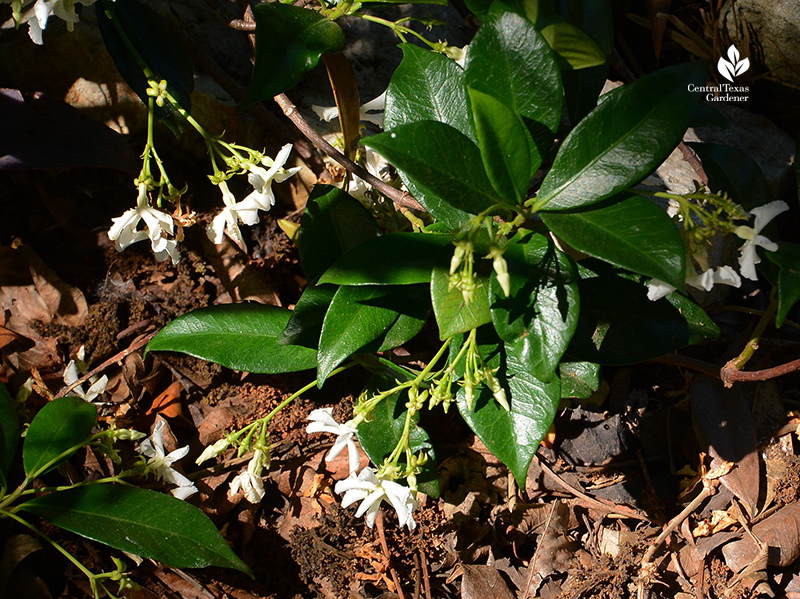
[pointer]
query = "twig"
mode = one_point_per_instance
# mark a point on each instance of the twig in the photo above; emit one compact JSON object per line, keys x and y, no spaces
{"x":417,"y":576}
{"x":731,"y":376}
{"x":382,"y":537}
{"x":401,"y":198}
{"x":532,"y":563}
{"x":709,"y":489}
{"x":425,"y":578}
{"x":116,"y":358}
{"x":589,"y":501}
{"x":690,"y":363}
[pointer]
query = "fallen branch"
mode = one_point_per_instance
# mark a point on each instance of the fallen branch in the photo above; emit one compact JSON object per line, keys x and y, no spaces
{"x":401,"y":198}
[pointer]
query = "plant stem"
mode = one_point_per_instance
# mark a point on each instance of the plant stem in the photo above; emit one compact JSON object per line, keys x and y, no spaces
{"x":750,"y":348}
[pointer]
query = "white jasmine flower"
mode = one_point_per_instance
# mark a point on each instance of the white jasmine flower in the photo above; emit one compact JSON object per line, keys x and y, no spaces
{"x":328,"y":113}
{"x":125,"y":230}
{"x":161,"y":464}
{"x":227,"y":221}
{"x":322,"y":422}
{"x":75,"y":369}
{"x":724,"y":275}
{"x":749,"y":257}
{"x":261,"y":179}
{"x":371,"y":490}
{"x":43,"y":9}
{"x":249,"y":481}
{"x":376,"y":165}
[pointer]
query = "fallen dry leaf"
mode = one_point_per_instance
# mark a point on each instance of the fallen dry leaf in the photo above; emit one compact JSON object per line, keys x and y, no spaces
{"x":483,"y":582}
{"x":781,"y":532}
{"x":168,"y":402}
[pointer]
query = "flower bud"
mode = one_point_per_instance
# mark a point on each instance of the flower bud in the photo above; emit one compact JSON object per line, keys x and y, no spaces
{"x":214,"y":450}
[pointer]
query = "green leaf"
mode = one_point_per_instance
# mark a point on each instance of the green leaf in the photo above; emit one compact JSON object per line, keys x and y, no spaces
{"x":624,"y":139}
{"x":708,"y":116}
{"x":511,"y":61}
{"x":365,"y":319}
{"x":788,"y":260}
{"x":9,"y":435}
{"x":513,"y":436}
{"x":239,"y":336}
{"x":380,"y":434}
{"x":452,"y":314}
{"x":622,"y":326}
{"x":733,"y":172}
{"x":441,"y":167}
{"x":573,"y":46}
{"x":333,"y":224}
{"x":542,"y":310}
{"x":63,"y":424}
{"x":305,"y":323}
{"x":503,"y":146}
{"x":633,"y":233}
{"x":393,"y":259}
{"x":145,"y":523}
{"x":579,"y":379}
{"x":142,"y":34}
{"x":427,"y":86}
{"x":289,"y":42}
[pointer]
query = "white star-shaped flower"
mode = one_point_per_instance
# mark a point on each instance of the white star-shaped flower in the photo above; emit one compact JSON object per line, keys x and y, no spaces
{"x":322,"y":422}
{"x":724,"y":275}
{"x":261,"y":179}
{"x":161,"y":463}
{"x":371,"y":490}
{"x":73,"y":372}
{"x":125,"y":230}
{"x":378,"y":105}
{"x":749,"y":257}
{"x":250,"y":480}
{"x":227,"y":221}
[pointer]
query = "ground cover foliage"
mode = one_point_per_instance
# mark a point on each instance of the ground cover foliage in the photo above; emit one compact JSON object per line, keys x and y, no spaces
{"x":538,"y":390}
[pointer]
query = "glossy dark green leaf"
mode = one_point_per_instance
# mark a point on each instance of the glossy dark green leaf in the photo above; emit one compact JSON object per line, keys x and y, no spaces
{"x":369,"y":318}
{"x":239,"y":336}
{"x":305,"y":323}
{"x":9,"y":435}
{"x":289,"y":42}
{"x":380,"y":434}
{"x":513,"y":436}
{"x":510,"y":60}
{"x":620,"y":325}
{"x":788,"y":260}
{"x":503,"y":146}
{"x":427,"y":86}
{"x":733,"y":172}
{"x":143,"y":35}
{"x":60,"y":426}
{"x":452,"y":314}
{"x":573,"y":46}
{"x":543,"y":307}
{"x":579,"y":379}
{"x":442,"y":168}
{"x":624,"y":139}
{"x":145,"y":523}
{"x":393,"y":259}
{"x":334,"y":223}
{"x":633,"y":233}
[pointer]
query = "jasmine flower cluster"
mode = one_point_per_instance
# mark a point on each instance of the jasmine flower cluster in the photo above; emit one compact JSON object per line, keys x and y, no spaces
{"x":161,"y":464}
{"x":370,"y":487}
